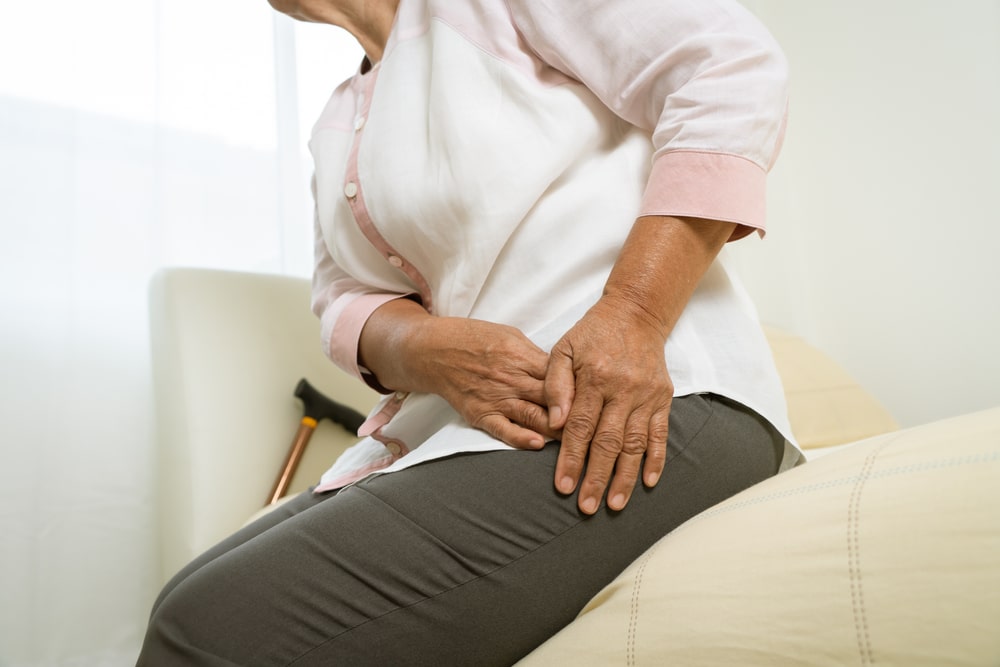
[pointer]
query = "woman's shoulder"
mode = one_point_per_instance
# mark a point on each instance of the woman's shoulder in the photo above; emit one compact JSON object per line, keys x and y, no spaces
{"x":341,"y":108}
{"x":489,"y":25}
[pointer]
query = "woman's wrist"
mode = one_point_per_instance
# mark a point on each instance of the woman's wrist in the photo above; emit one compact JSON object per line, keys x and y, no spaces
{"x":390,"y":343}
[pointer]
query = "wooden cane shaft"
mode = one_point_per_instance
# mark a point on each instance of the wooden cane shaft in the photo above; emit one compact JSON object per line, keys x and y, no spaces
{"x":295,"y":451}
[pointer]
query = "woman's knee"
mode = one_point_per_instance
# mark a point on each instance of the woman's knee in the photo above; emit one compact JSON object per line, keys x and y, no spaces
{"x":166,"y":641}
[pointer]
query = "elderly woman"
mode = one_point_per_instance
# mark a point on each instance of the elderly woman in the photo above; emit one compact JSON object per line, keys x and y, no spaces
{"x":519,"y":208}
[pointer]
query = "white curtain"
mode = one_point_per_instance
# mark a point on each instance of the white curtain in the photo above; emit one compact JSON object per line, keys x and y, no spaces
{"x":133,"y":134}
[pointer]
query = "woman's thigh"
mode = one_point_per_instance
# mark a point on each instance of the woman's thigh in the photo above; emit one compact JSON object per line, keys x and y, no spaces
{"x":474,"y":559}
{"x":286,"y":510}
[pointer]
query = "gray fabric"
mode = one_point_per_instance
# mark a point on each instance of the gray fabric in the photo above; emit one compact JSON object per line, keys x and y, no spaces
{"x":469,"y":560}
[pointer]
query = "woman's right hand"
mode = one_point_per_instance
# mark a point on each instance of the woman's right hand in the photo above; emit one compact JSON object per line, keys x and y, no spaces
{"x":492,"y":374}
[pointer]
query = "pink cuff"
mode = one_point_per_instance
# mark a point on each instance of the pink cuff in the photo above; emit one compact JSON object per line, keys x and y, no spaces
{"x":714,"y":186}
{"x":346,"y":333}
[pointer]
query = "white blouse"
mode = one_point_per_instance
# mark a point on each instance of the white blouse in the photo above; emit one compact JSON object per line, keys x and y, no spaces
{"x":492,"y":164}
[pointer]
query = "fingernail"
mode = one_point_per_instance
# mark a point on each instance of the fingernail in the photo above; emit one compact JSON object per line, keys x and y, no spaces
{"x":589,"y":505}
{"x":617,"y":502}
{"x":651,"y":479}
{"x":566,"y":484}
{"x":537,"y":443}
{"x":555,"y":414}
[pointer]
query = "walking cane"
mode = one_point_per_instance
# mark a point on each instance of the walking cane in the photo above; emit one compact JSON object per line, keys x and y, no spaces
{"x":315,"y":408}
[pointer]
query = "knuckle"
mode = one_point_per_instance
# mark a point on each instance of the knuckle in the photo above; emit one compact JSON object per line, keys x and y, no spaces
{"x":527,"y":414}
{"x":572,"y":458}
{"x":607,"y":443}
{"x":579,"y":428}
{"x":603,"y":366}
{"x":658,"y":431}
{"x":659,"y":428}
{"x":487,"y":421}
{"x":657,"y":452}
{"x":634,"y":443}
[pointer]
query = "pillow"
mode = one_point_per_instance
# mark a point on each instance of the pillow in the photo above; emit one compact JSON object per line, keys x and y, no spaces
{"x":826,"y":406}
{"x":887,"y":551}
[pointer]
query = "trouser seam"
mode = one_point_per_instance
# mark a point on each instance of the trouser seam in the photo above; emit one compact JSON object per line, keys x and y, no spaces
{"x":694,"y":437}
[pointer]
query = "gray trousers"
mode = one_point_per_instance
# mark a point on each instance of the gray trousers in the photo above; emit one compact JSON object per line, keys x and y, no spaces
{"x":470,"y":560}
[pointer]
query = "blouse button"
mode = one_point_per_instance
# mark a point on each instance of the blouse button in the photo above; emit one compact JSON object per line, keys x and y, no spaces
{"x":351,"y":190}
{"x":396,"y":261}
{"x":393,"y":448}
{"x":399,"y":395}
{"x":359,"y":123}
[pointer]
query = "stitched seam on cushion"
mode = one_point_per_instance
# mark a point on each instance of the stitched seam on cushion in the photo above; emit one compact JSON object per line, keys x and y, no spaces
{"x":726,"y":507}
{"x":633,"y":620}
{"x":861,"y":629}
{"x":428,"y":598}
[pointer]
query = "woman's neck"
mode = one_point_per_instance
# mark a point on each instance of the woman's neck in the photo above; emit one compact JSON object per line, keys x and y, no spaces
{"x":370,"y":21}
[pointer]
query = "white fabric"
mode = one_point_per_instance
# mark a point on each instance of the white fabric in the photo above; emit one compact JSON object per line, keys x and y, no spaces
{"x":465,"y":169}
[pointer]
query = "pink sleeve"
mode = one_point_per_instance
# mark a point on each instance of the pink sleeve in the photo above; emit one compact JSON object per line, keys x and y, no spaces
{"x":343,"y":305}
{"x":703,"y":76}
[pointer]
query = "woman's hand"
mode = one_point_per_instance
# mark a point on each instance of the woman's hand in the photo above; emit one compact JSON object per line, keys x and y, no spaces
{"x":608,"y":389}
{"x":607,"y":385}
{"x":492,"y":374}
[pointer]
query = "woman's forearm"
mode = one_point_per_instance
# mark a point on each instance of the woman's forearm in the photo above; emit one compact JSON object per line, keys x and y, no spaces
{"x":492,"y":374}
{"x":661,"y":264}
{"x":386,"y":340}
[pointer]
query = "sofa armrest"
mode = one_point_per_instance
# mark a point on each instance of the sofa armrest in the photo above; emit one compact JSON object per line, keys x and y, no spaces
{"x":228,"y":349}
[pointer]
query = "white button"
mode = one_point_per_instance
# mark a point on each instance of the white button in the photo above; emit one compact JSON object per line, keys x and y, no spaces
{"x":393,"y":448}
{"x":396,"y":261}
{"x":359,"y":123}
{"x":351,"y":190}
{"x":400,"y":395}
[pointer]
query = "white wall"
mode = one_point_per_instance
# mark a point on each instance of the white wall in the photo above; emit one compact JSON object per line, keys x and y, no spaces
{"x":884,"y":226}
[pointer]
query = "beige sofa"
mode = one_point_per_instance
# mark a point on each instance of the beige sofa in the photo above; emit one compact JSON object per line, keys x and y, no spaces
{"x":882,"y":551}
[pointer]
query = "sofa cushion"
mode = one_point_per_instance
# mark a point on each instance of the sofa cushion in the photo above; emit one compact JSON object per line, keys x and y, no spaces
{"x":887,"y":551}
{"x":826,"y":406}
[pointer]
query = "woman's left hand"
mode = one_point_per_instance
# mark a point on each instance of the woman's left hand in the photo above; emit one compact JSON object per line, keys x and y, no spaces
{"x":608,"y":389}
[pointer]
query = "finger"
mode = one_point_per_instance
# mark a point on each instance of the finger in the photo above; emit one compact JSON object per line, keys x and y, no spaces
{"x":560,"y":386}
{"x":576,"y":437}
{"x":605,"y":449}
{"x":538,"y":364}
{"x":656,"y":446}
{"x":629,"y":461}
{"x":532,"y":390}
{"x":510,"y":433}
{"x":530,"y":415}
